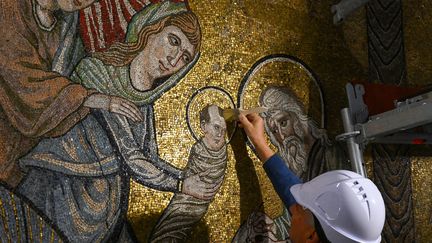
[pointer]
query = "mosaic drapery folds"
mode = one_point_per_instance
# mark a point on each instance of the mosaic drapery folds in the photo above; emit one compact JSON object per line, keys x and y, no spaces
{"x":89,"y":155}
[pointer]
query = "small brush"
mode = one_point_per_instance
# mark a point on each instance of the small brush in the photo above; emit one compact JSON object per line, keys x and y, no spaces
{"x":233,"y":114}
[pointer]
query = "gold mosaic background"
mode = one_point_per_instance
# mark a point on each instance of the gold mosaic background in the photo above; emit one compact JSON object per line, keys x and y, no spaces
{"x":236,"y":34}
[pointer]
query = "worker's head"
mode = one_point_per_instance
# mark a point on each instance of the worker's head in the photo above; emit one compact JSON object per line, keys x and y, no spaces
{"x":347,"y":206}
{"x":288,"y":127}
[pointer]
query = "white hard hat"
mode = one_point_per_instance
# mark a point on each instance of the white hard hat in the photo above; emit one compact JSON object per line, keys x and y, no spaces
{"x":349,"y":207}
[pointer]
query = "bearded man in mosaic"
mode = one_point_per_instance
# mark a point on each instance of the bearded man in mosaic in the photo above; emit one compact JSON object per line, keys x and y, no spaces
{"x":208,"y":154}
{"x":304,"y":147}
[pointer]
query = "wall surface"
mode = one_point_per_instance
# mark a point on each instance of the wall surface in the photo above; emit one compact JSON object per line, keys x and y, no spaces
{"x":291,"y":44}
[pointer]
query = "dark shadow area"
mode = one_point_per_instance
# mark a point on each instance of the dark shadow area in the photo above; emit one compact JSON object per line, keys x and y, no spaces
{"x":250,"y":194}
{"x":200,"y":232}
{"x":424,"y":150}
{"x":331,"y":60}
{"x":20,"y":219}
{"x":142,"y":227}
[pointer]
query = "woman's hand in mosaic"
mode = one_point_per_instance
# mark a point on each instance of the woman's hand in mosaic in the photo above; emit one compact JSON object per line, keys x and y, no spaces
{"x":195,"y":187}
{"x":114,"y":104}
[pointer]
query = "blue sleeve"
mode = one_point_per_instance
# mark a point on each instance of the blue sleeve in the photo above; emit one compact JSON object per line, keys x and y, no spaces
{"x":282,"y":178}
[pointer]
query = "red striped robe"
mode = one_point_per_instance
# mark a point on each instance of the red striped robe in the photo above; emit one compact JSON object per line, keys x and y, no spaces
{"x":105,"y":21}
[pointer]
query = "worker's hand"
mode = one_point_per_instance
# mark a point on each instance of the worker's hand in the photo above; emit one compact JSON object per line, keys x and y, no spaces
{"x":195,"y":187}
{"x":114,"y":104}
{"x":253,"y":125}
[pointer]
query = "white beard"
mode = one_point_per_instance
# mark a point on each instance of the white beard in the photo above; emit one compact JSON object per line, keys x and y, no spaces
{"x":293,"y":152}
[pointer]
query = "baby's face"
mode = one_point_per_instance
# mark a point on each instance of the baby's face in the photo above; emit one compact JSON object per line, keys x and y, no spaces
{"x":214,"y":129}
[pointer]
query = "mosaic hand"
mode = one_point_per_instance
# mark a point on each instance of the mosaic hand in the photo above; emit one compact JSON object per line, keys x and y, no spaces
{"x":125,"y":107}
{"x":114,"y":104}
{"x":195,"y":187}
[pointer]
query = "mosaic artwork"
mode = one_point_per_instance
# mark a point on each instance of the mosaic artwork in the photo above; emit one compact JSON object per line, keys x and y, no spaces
{"x":80,"y":180}
{"x":208,"y":159}
{"x":299,"y":141}
{"x":111,"y":117}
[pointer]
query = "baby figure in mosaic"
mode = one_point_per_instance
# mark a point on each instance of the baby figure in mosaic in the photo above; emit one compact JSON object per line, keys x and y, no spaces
{"x":208,"y":157}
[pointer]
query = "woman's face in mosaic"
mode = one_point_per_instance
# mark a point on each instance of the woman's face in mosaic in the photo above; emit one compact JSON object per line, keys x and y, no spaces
{"x":165,"y":53}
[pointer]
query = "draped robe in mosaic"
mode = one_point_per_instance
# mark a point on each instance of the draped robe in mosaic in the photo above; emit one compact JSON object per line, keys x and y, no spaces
{"x":185,"y":211}
{"x":80,"y":180}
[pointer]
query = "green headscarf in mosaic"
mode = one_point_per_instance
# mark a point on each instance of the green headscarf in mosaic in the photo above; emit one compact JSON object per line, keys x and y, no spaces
{"x":150,"y":15}
{"x":111,"y":80}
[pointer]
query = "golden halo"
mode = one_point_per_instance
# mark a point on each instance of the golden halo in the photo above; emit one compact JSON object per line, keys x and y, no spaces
{"x":284,"y":71}
{"x":209,"y":95}
{"x":291,"y":73}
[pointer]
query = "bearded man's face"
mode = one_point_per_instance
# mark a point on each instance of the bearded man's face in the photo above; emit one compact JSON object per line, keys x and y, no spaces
{"x":288,"y":135}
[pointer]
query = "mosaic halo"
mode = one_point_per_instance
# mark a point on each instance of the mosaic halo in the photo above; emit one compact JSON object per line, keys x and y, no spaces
{"x":297,"y":67}
{"x":201,"y":98}
{"x":283,"y":71}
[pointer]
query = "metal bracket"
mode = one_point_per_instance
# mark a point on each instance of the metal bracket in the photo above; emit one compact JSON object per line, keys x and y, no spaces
{"x":358,"y":108}
{"x":344,"y":8}
{"x":398,"y":126}
{"x":355,"y":150}
{"x":347,"y":135}
{"x":400,"y":119}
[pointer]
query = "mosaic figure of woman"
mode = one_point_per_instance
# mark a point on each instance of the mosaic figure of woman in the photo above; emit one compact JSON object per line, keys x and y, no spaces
{"x":80,"y":181}
{"x":40,"y":46}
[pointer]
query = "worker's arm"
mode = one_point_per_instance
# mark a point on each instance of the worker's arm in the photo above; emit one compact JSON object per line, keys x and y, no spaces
{"x":282,"y":179}
{"x":280,"y":175}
